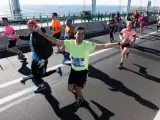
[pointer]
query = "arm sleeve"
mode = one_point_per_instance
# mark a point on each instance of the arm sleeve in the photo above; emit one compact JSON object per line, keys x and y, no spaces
{"x":25,"y":37}
{"x":90,"y":46}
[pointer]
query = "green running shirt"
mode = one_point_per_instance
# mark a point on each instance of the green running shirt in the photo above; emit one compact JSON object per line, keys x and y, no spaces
{"x":79,"y":53}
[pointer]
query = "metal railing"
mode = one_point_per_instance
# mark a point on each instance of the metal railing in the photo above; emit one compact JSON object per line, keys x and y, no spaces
{"x":19,"y":22}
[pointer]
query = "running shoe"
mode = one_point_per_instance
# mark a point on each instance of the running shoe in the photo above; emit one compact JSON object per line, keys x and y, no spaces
{"x":79,"y":101}
{"x":39,"y":89}
{"x":60,"y":71}
{"x":120,"y":66}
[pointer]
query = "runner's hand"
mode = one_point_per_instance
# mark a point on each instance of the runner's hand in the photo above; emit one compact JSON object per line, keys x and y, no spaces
{"x":38,"y":29}
{"x":15,"y":36}
{"x":41,"y":63}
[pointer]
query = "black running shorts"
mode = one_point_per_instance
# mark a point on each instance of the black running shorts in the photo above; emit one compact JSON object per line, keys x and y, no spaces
{"x":78,"y":78}
{"x":57,"y":35}
{"x":12,"y":43}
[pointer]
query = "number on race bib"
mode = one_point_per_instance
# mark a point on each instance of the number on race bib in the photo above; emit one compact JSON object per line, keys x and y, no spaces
{"x":78,"y":62}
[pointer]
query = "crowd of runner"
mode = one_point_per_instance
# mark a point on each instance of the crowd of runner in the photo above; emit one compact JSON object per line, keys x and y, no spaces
{"x":73,"y":40}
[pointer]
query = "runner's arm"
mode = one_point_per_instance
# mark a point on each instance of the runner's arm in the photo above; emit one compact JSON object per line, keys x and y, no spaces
{"x":134,"y":38}
{"x":24,"y":37}
{"x":106,"y":45}
{"x":121,"y":36}
{"x":52,"y":39}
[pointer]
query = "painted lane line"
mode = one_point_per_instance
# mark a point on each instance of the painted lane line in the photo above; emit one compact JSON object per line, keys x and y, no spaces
{"x":16,"y":102}
{"x":17,"y":95}
{"x":157,"y":117}
{"x":53,"y":68}
{"x":15,"y":81}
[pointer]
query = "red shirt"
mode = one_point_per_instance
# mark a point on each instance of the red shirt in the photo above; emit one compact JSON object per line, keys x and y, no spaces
{"x":136,"y":15}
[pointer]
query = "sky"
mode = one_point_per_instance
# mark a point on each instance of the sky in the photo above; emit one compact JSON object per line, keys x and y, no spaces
{"x":87,"y":2}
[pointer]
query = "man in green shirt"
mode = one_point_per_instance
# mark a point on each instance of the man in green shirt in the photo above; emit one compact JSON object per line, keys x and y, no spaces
{"x":79,"y":50}
{"x":158,"y":20}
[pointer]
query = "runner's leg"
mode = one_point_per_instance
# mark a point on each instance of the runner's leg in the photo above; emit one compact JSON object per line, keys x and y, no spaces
{"x":66,"y":55}
{"x":80,"y":83}
{"x":12,"y":48}
{"x":158,"y":26}
{"x":80,"y":98}
{"x":141,"y":29}
{"x":38,"y":73}
{"x":57,"y":36}
{"x":111,"y":34}
{"x":71,"y":83}
{"x":123,"y":54}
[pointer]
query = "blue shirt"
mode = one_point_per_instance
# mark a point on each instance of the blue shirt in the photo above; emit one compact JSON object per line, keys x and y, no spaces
{"x":66,"y":36}
{"x":34,"y":55}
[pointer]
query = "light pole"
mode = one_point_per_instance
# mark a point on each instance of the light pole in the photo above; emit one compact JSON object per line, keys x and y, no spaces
{"x":10,"y":8}
{"x":84,"y":5}
{"x":93,"y":6}
{"x":120,"y":5}
{"x":141,"y":5}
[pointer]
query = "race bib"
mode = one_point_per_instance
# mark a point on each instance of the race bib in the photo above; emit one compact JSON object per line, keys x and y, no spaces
{"x":78,"y":62}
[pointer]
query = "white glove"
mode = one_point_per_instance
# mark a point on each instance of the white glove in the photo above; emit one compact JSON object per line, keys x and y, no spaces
{"x":41,"y":63}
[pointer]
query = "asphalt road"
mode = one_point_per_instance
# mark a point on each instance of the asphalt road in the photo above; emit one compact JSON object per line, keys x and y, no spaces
{"x":110,"y":94}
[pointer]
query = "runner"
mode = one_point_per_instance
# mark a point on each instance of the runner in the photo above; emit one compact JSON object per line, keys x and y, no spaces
{"x":135,"y":19}
{"x":118,"y":16}
{"x":69,"y":31}
{"x":79,"y":50}
{"x":56,"y":28}
{"x":127,"y":37}
{"x":112,"y":27}
{"x":9,"y":31}
{"x":41,"y":51}
{"x":142,"y":21}
{"x":158,"y":22}
{"x":69,"y":34}
{"x":127,"y":18}
{"x":146,"y":15}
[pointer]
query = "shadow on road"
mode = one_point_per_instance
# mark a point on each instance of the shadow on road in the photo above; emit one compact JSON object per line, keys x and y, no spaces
{"x":117,"y":86}
{"x":24,"y":69}
{"x":143,"y":72}
{"x":69,"y":112}
{"x":151,"y":37}
{"x":149,"y":50}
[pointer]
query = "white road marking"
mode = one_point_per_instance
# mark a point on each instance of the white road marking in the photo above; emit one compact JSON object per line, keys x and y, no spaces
{"x":157,"y":117}
{"x":16,"y":95}
{"x":52,"y":68}
{"x":30,"y":89}
{"x":16,"y":102}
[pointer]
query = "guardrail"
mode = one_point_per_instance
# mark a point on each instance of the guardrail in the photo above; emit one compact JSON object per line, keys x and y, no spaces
{"x":19,"y":22}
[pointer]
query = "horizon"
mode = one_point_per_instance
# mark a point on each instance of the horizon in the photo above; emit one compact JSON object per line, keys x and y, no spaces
{"x":85,"y":2}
